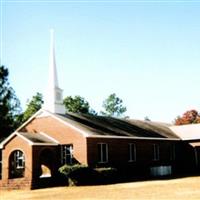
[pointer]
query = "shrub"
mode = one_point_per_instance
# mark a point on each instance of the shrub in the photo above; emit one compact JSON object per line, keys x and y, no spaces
{"x":78,"y":174}
{"x":68,"y":169}
{"x":107,"y":175}
{"x":83,"y":175}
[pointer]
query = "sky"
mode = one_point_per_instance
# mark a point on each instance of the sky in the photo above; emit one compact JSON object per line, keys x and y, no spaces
{"x":147,"y":52}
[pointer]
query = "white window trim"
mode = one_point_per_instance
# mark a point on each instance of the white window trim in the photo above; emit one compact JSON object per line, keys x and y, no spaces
{"x":101,"y":147}
{"x":17,"y":158}
{"x":63,"y":151}
{"x":132,"y":149}
{"x":156,"y":152}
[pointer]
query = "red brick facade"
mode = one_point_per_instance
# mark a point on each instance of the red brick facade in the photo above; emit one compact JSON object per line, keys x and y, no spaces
{"x":86,"y":151}
{"x":118,"y":152}
{"x":16,"y":143}
{"x":62,"y":133}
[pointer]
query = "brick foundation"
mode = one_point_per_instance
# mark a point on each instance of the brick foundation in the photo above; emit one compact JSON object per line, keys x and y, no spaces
{"x":19,"y":183}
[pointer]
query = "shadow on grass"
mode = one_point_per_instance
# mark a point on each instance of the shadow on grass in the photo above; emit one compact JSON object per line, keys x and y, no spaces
{"x":61,"y":181}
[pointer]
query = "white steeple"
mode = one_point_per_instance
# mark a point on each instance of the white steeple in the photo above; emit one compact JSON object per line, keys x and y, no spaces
{"x":53,"y":101}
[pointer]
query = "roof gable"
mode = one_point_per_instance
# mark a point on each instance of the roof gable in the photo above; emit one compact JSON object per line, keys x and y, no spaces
{"x":31,"y":139}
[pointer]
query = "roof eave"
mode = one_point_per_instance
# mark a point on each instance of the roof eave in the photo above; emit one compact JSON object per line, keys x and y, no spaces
{"x":136,"y":138}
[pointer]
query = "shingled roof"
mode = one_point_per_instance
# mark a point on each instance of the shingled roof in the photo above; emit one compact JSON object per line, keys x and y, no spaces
{"x":38,"y":138}
{"x":109,"y":126}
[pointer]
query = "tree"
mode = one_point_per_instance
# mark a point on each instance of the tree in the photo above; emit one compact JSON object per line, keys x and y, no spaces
{"x":113,"y":106}
{"x":9,"y":105}
{"x":189,"y":117}
{"x":147,"y":119}
{"x":77,"y":104}
{"x":33,"y":106}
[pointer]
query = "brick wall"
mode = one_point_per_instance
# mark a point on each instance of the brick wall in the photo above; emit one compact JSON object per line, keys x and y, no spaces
{"x":62,"y":133}
{"x":118,"y":152}
{"x":16,"y":143}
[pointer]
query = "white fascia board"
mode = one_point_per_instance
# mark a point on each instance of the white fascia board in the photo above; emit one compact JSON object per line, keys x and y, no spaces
{"x":24,"y":138}
{"x":11,"y":136}
{"x":30,"y":119}
{"x":7,"y":139}
{"x":135,"y":138}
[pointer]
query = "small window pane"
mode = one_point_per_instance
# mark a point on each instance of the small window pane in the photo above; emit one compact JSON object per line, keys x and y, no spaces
{"x":67,"y":154}
{"x":172,"y":152}
{"x":155,"y":152}
{"x":103,"y":153}
{"x":132,"y":152}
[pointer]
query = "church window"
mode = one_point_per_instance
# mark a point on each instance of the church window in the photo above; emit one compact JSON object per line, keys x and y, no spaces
{"x":156,"y":152}
{"x":16,"y":164}
{"x":103,"y":153}
{"x":172,"y":152}
{"x":132,"y":152}
{"x":66,"y":154}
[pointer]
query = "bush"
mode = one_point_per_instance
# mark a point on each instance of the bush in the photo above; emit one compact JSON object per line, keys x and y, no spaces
{"x":78,"y":174}
{"x":83,"y":175}
{"x":107,"y":175}
{"x":68,"y":169}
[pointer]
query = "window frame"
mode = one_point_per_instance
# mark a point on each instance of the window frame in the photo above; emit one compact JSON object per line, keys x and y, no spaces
{"x":103,"y":155}
{"x":156,"y":152}
{"x":172,"y":152}
{"x":132,"y":152}
{"x":67,"y":154}
{"x":17,"y":160}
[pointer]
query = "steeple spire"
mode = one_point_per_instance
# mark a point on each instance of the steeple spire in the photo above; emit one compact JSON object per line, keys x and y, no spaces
{"x":52,"y":61}
{"x":53,"y":101}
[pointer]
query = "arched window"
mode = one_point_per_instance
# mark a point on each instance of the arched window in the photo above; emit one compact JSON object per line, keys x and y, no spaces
{"x":16,"y":164}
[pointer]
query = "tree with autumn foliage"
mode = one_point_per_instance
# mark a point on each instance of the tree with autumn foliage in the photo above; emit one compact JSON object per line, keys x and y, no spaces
{"x":189,"y":117}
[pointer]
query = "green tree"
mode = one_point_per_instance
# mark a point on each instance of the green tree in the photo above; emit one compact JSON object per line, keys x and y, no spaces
{"x":78,"y":104}
{"x":9,"y":105}
{"x":33,"y":106}
{"x":113,"y":106}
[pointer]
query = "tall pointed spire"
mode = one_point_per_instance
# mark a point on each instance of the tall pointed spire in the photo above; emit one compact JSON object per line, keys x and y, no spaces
{"x":52,"y":61}
{"x":53,"y":99}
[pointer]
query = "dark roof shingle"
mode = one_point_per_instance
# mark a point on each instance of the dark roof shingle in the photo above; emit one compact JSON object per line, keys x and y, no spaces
{"x":109,"y":126}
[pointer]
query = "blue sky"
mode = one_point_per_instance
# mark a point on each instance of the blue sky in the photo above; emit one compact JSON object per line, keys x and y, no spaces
{"x":147,"y":52}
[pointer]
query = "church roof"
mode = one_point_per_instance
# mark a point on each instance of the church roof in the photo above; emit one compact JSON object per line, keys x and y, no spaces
{"x":37,"y":138}
{"x":187,"y":132}
{"x":109,"y":126}
{"x":31,"y":138}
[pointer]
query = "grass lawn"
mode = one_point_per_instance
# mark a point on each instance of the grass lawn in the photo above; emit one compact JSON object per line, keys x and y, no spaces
{"x":181,"y":188}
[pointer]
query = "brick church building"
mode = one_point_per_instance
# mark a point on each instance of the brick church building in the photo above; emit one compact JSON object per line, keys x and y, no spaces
{"x":52,"y":138}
